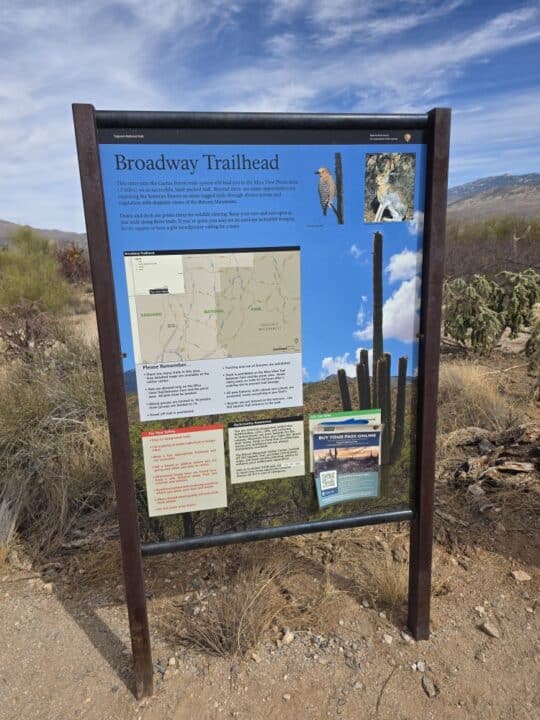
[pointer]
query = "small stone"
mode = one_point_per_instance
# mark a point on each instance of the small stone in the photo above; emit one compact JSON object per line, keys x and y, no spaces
{"x":520,"y":575}
{"x":255,"y":657}
{"x":172,"y":662}
{"x":476,"y":490}
{"x":341,"y":622}
{"x":286,"y":697}
{"x":529,"y":609}
{"x":407,"y":638}
{"x":485,"y":446}
{"x":358,"y":685}
{"x":48,"y":587}
{"x":421,"y":666}
{"x":400,"y":555}
{"x":480,"y":656}
{"x":365,"y":603}
{"x":387,"y":639}
{"x":480,"y":609}
{"x":287,"y":638}
{"x":167,"y":675}
{"x":429,"y":686}
{"x":490,"y":629}
{"x":382,"y":615}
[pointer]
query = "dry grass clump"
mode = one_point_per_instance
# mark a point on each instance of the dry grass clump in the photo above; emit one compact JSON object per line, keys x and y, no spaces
{"x":257,"y":592}
{"x":388,"y":580}
{"x":54,"y":447}
{"x":469,"y":396}
{"x":241,"y":612}
{"x":98,"y":566}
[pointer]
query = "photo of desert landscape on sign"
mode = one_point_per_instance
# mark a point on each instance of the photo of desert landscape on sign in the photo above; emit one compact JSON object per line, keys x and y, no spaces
{"x":347,"y":460}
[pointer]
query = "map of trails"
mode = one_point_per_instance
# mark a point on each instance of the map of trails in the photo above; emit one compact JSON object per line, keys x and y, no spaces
{"x":206,"y":305}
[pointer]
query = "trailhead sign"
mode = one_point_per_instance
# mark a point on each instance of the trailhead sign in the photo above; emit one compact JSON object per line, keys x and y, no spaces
{"x":268,"y":298}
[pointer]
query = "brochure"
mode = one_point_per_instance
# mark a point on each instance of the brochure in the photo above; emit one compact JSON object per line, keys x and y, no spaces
{"x":346,"y":463}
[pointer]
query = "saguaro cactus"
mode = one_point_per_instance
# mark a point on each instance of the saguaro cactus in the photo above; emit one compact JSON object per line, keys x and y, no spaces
{"x":377,"y":391}
{"x":377,"y":299}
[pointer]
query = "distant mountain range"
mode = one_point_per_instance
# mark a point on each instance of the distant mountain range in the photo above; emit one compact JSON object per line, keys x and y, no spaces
{"x":517,"y":195}
{"x":492,"y":183}
{"x":61,"y":237}
{"x":507,"y":194}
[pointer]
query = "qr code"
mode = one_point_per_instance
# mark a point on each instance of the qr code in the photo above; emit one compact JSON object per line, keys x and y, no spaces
{"x":328,"y":479}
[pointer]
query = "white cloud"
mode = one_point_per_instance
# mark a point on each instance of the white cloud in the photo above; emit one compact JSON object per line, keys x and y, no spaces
{"x":305,"y":373}
{"x":355,"y":251}
{"x":404,"y":265}
{"x":401,"y":314}
{"x":416,"y":226}
{"x":361,"y":315}
{"x":330,"y":365}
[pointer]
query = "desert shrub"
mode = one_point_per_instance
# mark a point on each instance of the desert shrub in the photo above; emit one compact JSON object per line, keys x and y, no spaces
{"x":470,"y":397}
{"x":54,"y":448}
{"x":73,"y":262}
{"x":490,"y":245}
{"x":25,"y":329}
{"x":29,"y":273}
{"x":476,"y":312}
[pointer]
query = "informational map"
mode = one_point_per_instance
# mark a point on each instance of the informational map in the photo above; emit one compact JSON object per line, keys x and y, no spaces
{"x":215,"y":331}
{"x":214,"y":305}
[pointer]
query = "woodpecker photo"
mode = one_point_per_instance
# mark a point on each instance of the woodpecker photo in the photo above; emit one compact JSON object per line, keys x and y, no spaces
{"x":327,"y":189}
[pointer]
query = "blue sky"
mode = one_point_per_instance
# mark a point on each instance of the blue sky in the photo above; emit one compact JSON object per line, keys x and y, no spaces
{"x":481,"y":58}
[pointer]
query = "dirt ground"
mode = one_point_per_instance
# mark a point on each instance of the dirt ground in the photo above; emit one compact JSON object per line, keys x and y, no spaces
{"x":65,"y":650}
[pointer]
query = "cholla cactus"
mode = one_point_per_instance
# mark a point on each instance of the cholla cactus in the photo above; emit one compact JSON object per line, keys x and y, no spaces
{"x":532,"y":348}
{"x":477,"y":312}
{"x":470,"y":314}
{"x":520,"y":292}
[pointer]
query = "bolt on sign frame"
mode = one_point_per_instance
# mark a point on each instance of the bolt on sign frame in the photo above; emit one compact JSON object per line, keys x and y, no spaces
{"x":435,"y":129}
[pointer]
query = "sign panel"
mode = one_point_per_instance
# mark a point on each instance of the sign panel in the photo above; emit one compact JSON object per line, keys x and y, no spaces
{"x":249,"y":268}
{"x":347,"y":464}
{"x":185,"y":469}
{"x":266,"y":449}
